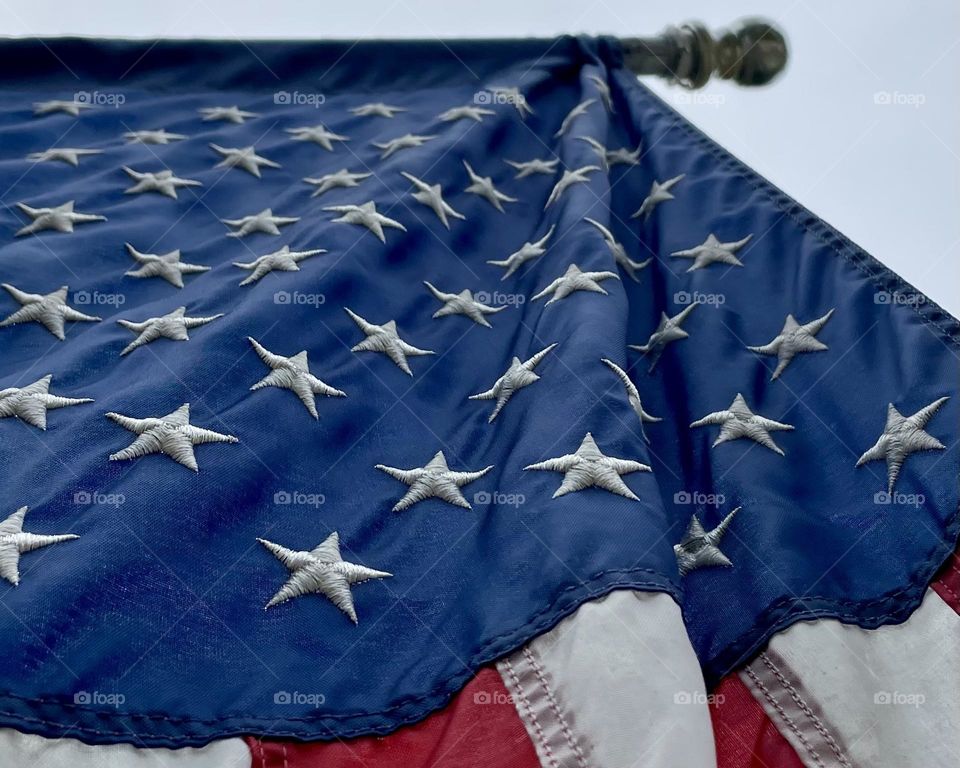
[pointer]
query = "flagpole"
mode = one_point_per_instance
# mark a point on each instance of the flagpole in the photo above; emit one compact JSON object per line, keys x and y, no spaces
{"x":751,"y":53}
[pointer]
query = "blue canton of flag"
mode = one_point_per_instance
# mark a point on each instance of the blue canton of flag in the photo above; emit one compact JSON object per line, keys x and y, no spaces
{"x":350,"y":369}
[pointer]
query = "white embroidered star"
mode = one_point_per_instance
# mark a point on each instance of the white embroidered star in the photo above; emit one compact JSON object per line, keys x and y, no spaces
{"x":165,"y":265}
{"x":283,"y":260}
{"x":293,"y":373}
{"x":321,"y":571}
{"x":14,"y":541}
{"x":172,"y":435}
{"x":70,"y":156}
{"x":376,"y":109}
{"x":793,"y":340}
{"x":530,"y":167}
{"x":242,"y":157}
{"x":227,"y":114}
{"x":513,"y":96}
{"x":401,"y":142}
{"x":623,"y":156}
{"x":619,"y":252}
{"x":60,"y":105}
{"x":264,"y":222}
{"x":384,"y":338}
{"x":462,"y":303}
{"x":604,"y":89}
{"x":31,"y":403}
{"x":520,"y":374}
{"x":575,"y":280}
{"x":365,"y":216}
{"x":659,"y":193}
{"x":528,"y":251}
{"x":901,"y":436}
{"x":431,"y":195}
{"x":163,"y":182}
{"x":739,"y":421}
{"x":668,"y":331}
{"x":467,"y":112}
{"x":633,"y":396}
{"x":60,"y":217}
{"x":49,"y":310}
{"x":342,"y":178}
{"x":590,"y":467}
{"x":612,"y":157}
{"x":435,"y":480}
{"x":483,"y":186}
{"x":713,"y":251}
{"x":572,"y":115}
{"x":318,"y":134}
{"x":700,"y":548}
{"x":173,"y":325}
{"x":160,"y":136}
{"x":569,"y":178}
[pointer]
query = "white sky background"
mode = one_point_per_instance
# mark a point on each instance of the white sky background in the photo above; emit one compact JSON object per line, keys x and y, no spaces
{"x":887,"y":175}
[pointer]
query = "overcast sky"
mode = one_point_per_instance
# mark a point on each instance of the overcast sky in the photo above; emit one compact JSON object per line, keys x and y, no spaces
{"x":884,"y":169}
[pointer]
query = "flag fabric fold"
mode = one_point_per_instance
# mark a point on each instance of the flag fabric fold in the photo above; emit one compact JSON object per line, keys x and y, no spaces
{"x":335,"y":373}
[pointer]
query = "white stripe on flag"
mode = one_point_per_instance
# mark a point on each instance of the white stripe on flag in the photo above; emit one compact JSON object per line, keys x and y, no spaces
{"x":615,"y":685}
{"x":24,"y":749}
{"x":884,"y":698}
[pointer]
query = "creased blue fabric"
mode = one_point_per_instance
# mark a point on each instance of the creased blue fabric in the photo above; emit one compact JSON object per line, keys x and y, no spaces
{"x":150,"y":628}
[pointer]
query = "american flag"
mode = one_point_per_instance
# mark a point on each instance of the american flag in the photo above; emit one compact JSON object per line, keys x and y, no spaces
{"x":450,"y":404}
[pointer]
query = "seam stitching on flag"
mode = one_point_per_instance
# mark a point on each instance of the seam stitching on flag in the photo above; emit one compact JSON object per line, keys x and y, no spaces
{"x":530,"y":713}
{"x":552,"y":701}
{"x":784,"y":717}
{"x":794,"y":694}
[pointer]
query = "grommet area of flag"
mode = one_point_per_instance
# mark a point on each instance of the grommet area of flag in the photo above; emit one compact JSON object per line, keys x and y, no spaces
{"x":332,"y":373}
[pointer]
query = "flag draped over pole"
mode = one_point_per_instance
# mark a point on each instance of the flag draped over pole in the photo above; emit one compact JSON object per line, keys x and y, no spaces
{"x":459,"y":390}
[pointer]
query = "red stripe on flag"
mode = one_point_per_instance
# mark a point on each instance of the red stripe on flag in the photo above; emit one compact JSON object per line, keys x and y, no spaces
{"x":947,"y":582}
{"x":745,"y":736}
{"x":479,"y":728}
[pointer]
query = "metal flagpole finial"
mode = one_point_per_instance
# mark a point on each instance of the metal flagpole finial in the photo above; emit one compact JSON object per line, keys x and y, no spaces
{"x":753,"y":52}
